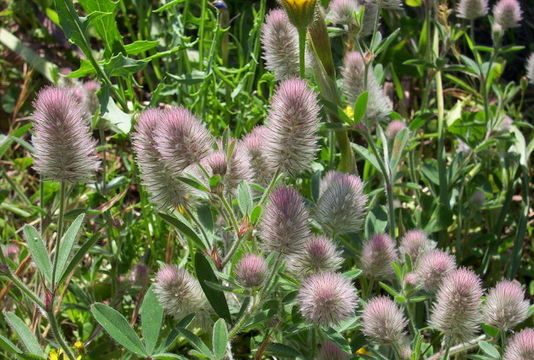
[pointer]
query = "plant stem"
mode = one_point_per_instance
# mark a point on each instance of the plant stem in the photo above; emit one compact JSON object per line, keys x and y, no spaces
{"x":23,"y":288}
{"x":59,"y":232}
{"x":58,"y":335}
{"x":270,"y":187}
{"x":302,"y":52}
{"x":201,"y":35}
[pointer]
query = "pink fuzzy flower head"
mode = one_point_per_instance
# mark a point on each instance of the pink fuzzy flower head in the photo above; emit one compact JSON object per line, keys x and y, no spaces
{"x":521,"y":347}
{"x":178,"y":292}
{"x":343,"y":12}
{"x":319,"y":255}
{"x":393,"y":128}
{"x":341,"y":204}
{"x":11,"y":251}
{"x":164,"y":189}
{"x":383,"y":321}
{"x":327,"y":298}
{"x":414,"y":243}
{"x":254,"y":143}
{"x":507,"y":13}
{"x":64,"y":149}
{"x":181,"y":139}
{"x":411,"y":279}
{"x":251,"y":270}
{"x":505,"y":305}
{"x":280,"y":45}
{"x":330,"y":351}
{"x":456,"y":312}
{"x":293,"y":122}
{"x":432,"y":267}
{"x":378,"y":255}
{"x":472,"y":9}
{"x":284,"y":224}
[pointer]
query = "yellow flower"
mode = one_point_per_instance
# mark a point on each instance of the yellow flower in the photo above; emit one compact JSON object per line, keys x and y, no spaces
{"x":300,"y":12}
{"x":78,"y":345}
{"x":349,"y":111}
{"x":362,"y":351}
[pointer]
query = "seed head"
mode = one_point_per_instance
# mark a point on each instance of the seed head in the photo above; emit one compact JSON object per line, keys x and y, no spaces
{"x":393,"y":128}
{"x":456,"y":312}
{"x":414,"y":243}
{"x":293,"y":122}
{"x":327,"y":298}
{"x":505,"y":305}
{"x":383,"y":321}
{"x":254,"y":143}
{"x":284,"y":225}
{"x":165,"y":190}
{"x":251,"y":270}
{"x":472,"y":9}
{"x":178,"y":292}
{"x":330,"y":351}
{"x":64,"y":149}
{"x":507,"y":13}
{"x":353,"y":73}
{"x":432,"y":267}
{"x":341,"y":204}
{"x":378,"y":255}
{"x":181,"y":139}
{"x":521,"y":347}
{"x":319,"y":255}
{"x":280,"y":45}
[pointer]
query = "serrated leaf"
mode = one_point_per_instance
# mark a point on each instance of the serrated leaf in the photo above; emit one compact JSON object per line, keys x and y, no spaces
{"x":219,"y":339}
{"x":38,"y":250}
{"x":151,"y":318}
{"x":118,"y":328}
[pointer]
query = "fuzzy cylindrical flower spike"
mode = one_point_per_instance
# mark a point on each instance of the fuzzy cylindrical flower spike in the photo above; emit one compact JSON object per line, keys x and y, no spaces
{"x":530,"y":68}
{"x":64,"y":149}
{"x":164,"y":189}
{"x":292,"y":123}
{"x":251,"y":270}
{"x":341,"y":204}
{"x":284,"y":223}
{"x":456,"y":312}
{"x":432,"y":267}
{"x":394,"y":128}
{"x":383,"y":321}
{"x":280,"y":45}
{"x":181,"y":139}
{"x":327,"y":298}
{"x":378,"y":255}
{"x":319,"y":255}
{"x":414,"y":243}
{"x":521,"y":347}
{"x":507,"y":13}
{"x":505,"y":305}
{"x":254,"y":142}
{"x":472,"y":9}
{"x":343,"y":12}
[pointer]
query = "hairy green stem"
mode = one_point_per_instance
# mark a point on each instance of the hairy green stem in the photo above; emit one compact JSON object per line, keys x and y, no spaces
{"x":302,"y":52}
{"x":58,"y":335}
{"x":59,"y":232}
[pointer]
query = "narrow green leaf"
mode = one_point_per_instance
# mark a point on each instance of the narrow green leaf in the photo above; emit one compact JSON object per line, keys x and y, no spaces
{"x":389,"y":289}
{"x":7,"y":345}
{"x":140,"y":46}
{"x":255,"y":214}
{"x":151,"y":319}
{"x":282,"y":350}
{"x":168,"y":5}
{"x":184,"y":229}
{"x":244,"y":198}
{"x":26,"y":336}
{"x":118,"y":328}
{"x":401,"y":139}
{"x":360,"y":107}
{"x":78,"y":257}
{"x":66,"y":245}
{"x":220,"y":339}
{"x":491,"y":331}
{"x":366,"y":155}
{"x":489,"y":349}
{"x":168,"y":356}
{"x":196,"y":342}
{"x":216,"y":298}
{"x":38,"y":250}
{"x":338,"y":339}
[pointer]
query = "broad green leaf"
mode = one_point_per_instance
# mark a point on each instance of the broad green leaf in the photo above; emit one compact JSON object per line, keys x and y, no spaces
{"x":491,"y":331}
{"x":220,"y":339}
{"x":196,"y":342}
{"x":283,"y":351}
{"x":244,"y":198}
{"x":216,"y":298}
{"x":184,"y":228}
{"x":118,"y":328}
{"x":105,"y":26}
{"x":168,"y":356}
{"x":38,"y":250}
{"x":366,"y":155}
{"x":85,"y":69}
{"x":7,"y":345}
{"x":116,"y":117}
{"x":360,"y":107}
{"x":338,"y":339}
{"x":256,"y":214}
{"x":489,"y":349}
{"x":151,"y":319}
{"x":27,"y":337}
{"x":137,"y":47}
{"x":119,"y":65}
{"x":66,"y":245}
{"x":414,"y":3}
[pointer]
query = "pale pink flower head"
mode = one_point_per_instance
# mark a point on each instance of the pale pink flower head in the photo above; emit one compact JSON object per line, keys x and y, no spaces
{"x":284,"y":224}
{"x":472,"y":9}
{"x":330,"y":351}
{"x":64,"y":149}
{"x":280,"y":45}
{"x":319,"y":255}
{"x":411,"y":279}
{"x":383,"y":321}
{"x":521,"y":346}
{"x":327,"y":298}
{"x":178,"y":292}
{"x":254,"y":143}
{"x":394,"y":128}
{"x":507,"y":13}
{"x":505,"y":305}
{"x":181,"y":139}
{"x":378,"y":255}
{"x":414,"y":243}
{"x":456,"y":311}
{"x":164,"y":189}
{"x":343,"y":12}
{"x":292,"y":123}
{"x":530,"y":68}
{"x":251,"y":270}
{"x":11,"y":251}
{"x":341,"y":205}
{"x":432,"y":267}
